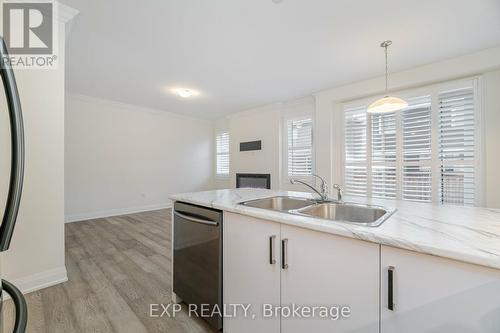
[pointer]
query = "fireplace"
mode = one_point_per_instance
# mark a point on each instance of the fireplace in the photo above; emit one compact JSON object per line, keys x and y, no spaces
{"x":253,"y":180}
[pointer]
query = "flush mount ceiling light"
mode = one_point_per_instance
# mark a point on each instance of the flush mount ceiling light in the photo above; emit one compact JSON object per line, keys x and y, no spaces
{"x":388,"y":103}
{"x":185,"y":93}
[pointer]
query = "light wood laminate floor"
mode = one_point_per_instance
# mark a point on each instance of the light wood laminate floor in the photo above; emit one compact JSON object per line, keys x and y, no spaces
{"x":117,"y":267}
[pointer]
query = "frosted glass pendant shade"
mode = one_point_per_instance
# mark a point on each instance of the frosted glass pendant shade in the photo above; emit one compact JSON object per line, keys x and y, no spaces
{"x":387,"y":104}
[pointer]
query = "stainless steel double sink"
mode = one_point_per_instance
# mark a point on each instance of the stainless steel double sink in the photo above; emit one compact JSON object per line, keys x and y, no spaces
{"x":367,"y":215}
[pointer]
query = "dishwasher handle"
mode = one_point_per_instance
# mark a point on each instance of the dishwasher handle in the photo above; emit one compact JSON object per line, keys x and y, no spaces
{"x":196,"y":219}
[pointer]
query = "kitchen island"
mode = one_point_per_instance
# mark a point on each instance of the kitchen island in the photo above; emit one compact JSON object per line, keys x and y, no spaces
{"x":426,"y":269}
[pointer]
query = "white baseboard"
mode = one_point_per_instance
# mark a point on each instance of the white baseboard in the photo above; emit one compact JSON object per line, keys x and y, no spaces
{"x":114,"y":212}
{"x":40,"y":280}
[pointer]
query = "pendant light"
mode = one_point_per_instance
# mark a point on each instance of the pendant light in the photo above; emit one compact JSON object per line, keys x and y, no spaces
{"x":388,"y":103}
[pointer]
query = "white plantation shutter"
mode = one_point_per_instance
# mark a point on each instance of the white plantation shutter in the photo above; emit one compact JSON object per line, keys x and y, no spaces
{"x":426,"y":152}
{"x":222,"y":153}
{"x":417,"y":149}
{"x":457,"y":146}
{"x":355,"y":135}
{"x":384,"y":137}
{"x":384,"y":182}
{"x":355,"y":180}
{"x":299,"y":147}
{"x":355,"y":172}
{"x":383,"y":150}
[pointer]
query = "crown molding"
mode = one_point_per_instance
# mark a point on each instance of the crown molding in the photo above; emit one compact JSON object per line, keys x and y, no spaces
{"x":132,"y":107}
{"x":468,"y":65}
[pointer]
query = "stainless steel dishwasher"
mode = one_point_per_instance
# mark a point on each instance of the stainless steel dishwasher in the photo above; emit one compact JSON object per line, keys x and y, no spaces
{"x":198,"y":257}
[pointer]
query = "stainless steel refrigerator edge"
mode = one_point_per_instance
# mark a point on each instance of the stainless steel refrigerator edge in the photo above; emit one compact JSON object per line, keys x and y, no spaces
{"x":15,"y":185}
{"x":197,"y":257}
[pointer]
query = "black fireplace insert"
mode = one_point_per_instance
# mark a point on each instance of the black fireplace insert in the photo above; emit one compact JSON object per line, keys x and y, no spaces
{"x":253,"y":180}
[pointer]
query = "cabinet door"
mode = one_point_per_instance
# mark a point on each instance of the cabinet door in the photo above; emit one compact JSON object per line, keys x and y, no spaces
{"x":432,"y":294}
{"x":249,"y":275}
{"x":328,"y":270}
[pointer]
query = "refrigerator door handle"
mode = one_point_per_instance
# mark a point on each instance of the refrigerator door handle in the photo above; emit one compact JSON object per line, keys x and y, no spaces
{"x":20,"y":305}
{"x":17,"y":150}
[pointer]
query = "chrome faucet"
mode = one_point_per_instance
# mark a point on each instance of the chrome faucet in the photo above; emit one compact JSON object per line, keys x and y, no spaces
{"x":340,"y":192}
{"x":324,"y":188}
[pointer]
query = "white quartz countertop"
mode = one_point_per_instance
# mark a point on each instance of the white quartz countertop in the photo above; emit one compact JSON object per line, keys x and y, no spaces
{"x":466,"y":234}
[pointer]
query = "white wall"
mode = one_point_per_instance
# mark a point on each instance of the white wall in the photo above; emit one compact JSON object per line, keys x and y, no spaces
{"x":263,"y":122}
{"x":255,"y":124}
{"x":491,"y":86}
{"x":260,"y":124}
{"x":122,"y":158}
{"x":36,"y":255}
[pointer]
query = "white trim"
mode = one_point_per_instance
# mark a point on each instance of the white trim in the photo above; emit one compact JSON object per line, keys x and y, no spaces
{"x":446,"y":70}
{"x":302,"y":108}
{"x":40,"y":280}
{"x":369,"y":157}
{"x":339,"y":126}
{"x":337,"y":139}
{"x":435,"y":161}
{"x":114,"y":212}
{"x":412,"y":92}
{"x":222,"y":176}
{"x":308,"y":100}
{"x":480,"y":143}
{"x":256,"y":110}
{"x":422,"y":75}
{"x":290,"y":116}
{"x":399,"y":164}
{"x":305,"y":102}
{"x":131,"y":107}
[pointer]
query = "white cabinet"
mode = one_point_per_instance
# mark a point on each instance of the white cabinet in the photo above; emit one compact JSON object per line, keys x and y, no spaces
{"x":323,"y":271}
{"x":271,"y":263}
{"x":329,"y":270}
{"x":249,"y":276}
{"x":432,"y":294}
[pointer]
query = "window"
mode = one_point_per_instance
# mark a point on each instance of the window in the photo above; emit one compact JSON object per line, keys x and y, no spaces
{"x":426,"y":152}
{"x":383,"y":155}
{"x":457,"y":146}
{"x":356,"y":157}
{"x":222,"y":152}
{"x":299,"y":149}
{"x":416,"y":129}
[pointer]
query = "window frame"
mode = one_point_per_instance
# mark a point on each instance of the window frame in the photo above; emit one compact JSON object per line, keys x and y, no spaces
{"x":223,"y":176}
{"x":286,"y":119}
{"x":433,"y":90}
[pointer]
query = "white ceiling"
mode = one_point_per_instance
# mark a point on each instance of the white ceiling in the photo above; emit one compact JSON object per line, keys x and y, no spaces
{"x":245,"y":53}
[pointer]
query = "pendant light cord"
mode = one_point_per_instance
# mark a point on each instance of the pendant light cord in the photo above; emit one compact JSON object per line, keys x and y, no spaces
{"x":385,"y":45}
{"x":388,"y":103}
{"x":386,"y":69}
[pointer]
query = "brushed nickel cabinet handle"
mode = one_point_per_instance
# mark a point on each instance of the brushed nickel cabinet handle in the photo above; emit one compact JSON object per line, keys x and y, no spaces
{"x":272,"y":257}
{"x":284,"y":253}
